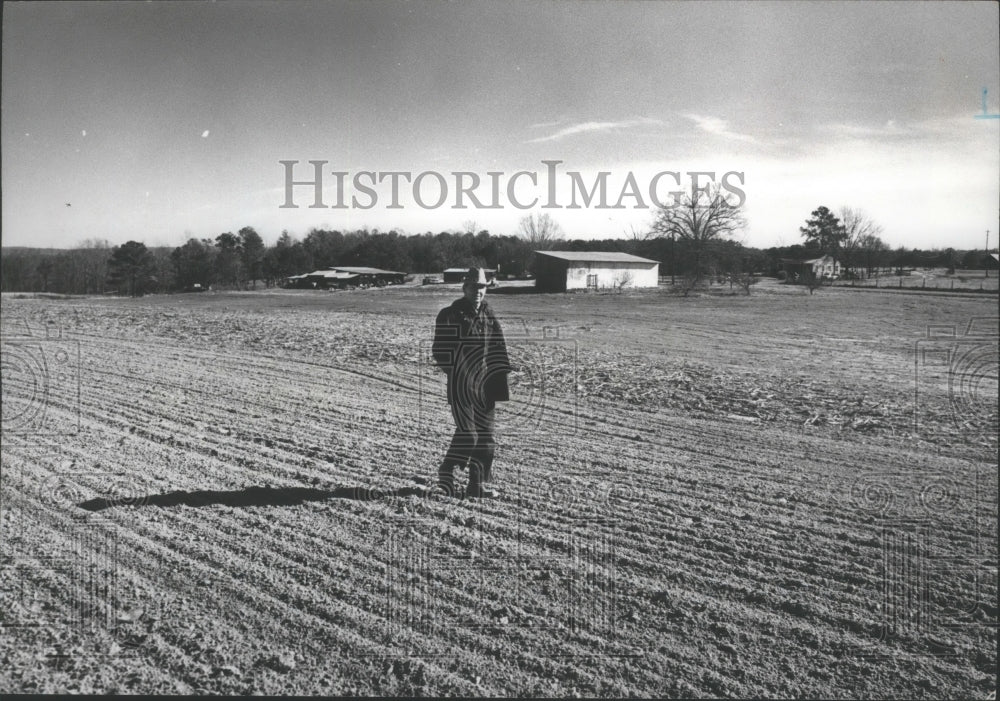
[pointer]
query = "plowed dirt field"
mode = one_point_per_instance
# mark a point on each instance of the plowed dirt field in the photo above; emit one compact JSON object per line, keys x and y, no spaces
{"x":780,"y":495}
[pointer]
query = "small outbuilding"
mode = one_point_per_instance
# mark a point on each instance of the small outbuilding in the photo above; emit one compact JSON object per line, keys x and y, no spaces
{"x":559,"y":271}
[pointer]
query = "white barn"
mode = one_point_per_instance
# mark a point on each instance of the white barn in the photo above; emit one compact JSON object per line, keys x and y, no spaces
{"x":559,"y":271}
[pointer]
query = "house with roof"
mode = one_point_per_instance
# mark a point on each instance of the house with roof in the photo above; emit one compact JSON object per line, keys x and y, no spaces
{"x":559,"y":271}
{"x":796,"y":269}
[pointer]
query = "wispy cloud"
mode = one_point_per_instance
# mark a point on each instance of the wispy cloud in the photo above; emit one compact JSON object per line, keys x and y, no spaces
{"x":590,"y":127}
{"x":546,"y":125}
{"x":718,"y":127}
{"x":862,"y":131}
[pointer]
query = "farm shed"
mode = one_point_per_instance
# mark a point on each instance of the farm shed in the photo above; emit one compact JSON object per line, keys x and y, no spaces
{"x":559,"y":271}
{"x":325,"y":279}
{"x":347,"y":276}
{"x":375,"y":276}
{"x":458,"y":274}
{"x":797,"y":269}
{"x":302,"y":281}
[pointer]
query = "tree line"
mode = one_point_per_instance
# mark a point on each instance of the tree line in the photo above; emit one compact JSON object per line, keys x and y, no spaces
{"x":694,"y":240}
{"x":242,"y":260}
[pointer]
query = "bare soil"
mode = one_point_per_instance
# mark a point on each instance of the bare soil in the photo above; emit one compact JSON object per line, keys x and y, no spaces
{"x":781,"y":495}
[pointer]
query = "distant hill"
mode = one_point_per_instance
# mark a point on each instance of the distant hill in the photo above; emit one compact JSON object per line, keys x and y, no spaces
{"x":26,"y":250}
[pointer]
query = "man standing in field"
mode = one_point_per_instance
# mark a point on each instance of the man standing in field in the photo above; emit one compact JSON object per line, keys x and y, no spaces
{"x":470,"y":348}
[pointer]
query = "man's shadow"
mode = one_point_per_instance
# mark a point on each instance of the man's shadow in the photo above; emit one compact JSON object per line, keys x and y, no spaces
{"x":253,"y":496}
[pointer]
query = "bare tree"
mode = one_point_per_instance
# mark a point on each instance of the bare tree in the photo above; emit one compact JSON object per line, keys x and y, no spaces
{"x":745,"y":280}
{"x":689,"y":280}
{"x":857,"y":223}
{"x":541,"y":231}
{"x":862,"y":231}
{"x":94,"y":255}
{"x":872,"y":252}
{"x":698,"y":220}
{"x":44,"y":270}
{"x":637,"y":235}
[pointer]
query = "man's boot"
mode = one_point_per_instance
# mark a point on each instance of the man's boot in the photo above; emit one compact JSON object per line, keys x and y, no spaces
{"x":477,"y":488}
{"x":480,"y":491}
{"x":446,"y":480}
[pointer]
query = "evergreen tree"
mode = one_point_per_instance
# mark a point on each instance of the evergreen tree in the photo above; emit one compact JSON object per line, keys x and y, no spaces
{"x":824,"y":232}
{"x":131,"y":265}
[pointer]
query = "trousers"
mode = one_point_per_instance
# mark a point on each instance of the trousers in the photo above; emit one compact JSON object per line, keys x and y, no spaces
{"x":473,"y":442}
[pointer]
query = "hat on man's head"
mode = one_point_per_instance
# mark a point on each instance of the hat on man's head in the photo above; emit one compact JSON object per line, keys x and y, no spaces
{"x":476,"y":276}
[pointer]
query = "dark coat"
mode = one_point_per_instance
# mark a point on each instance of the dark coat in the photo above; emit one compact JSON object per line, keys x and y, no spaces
{"x":471,"y":349}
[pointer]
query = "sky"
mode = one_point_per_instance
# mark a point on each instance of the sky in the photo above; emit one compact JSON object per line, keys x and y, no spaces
{"x":161,"y":121}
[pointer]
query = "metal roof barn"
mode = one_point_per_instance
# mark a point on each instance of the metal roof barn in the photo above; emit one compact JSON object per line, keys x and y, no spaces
{"x":342,"y":276}
{"x":325,"y":279}
{"x":559,"y":271}
{"x":361,"y":270}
